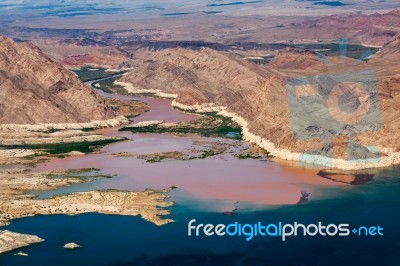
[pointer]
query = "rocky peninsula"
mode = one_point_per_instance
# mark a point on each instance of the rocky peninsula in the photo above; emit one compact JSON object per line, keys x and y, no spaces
{"x":10,"y":240}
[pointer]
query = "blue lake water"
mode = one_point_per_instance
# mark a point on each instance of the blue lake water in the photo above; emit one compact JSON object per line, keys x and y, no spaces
{"x":206,"y":189}
{"x":124,"y":240}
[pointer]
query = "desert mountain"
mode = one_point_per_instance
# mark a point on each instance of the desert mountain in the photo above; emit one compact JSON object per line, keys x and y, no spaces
{"x":290,"y":58}
{"x":388,"y":57}
{"x":35,"y":89}
{"x":258,"y":93}
{"x":208,"y":74}
{"x":376,"y":29}
{"x":255,"y":93}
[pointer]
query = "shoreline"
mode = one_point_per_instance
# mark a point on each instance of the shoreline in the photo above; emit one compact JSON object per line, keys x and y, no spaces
{"x":17,"y":200}
{"x":392,"y":159}
{"x":20,"y":142}
{"x":322,"y":162}
{"x":12,"y":240}
{"x":94,"y":124}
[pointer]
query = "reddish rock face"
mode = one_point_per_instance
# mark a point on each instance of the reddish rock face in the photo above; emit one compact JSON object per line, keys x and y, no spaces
{"x":34,"y":89}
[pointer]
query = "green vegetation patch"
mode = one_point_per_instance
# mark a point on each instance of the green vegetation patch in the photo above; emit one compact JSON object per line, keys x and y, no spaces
{"x":355,"y":51}
{"x":88,"y":73}
{"x":210,"y":125}
{"x":84,"y":174}
{"x":158,"y":157}
{"x":108,"y":86}
{"x":208,"y":153}
{"x":175,"y":155}
{"x":262,"y":60}
{"x":62,"y":148}
{"x":248,"y":156}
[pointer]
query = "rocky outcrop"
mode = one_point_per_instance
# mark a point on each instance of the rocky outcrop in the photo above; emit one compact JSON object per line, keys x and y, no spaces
{"x":10,"y":240}
{"x":71,"y":246}
{"x":16,"y":203}
{"x":295,"y":59}
{"x":34,"y":89}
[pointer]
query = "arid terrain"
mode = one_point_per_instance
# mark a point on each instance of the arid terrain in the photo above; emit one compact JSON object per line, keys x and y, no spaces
{"x":257,"y":95}
{"x":47,"y":111}
{"x":17,"y":202}
{"x":28,"y":76}
{"x":234,"y":63}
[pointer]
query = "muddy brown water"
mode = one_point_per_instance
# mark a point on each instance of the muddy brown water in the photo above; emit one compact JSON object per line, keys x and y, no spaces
{"x":224,"y":179}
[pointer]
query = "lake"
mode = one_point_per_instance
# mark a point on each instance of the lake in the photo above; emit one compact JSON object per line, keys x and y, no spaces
{"x":218,"y":189}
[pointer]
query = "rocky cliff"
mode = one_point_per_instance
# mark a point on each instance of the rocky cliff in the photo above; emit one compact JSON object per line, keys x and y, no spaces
{"x":256,"y":96}
{"x":34,"y":89}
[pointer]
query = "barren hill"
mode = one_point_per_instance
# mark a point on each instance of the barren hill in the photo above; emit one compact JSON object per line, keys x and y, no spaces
{"x":258,"y":95}
{"x":376,"y":29}
{"x":205,"y":72}
{"x":34,"y":89}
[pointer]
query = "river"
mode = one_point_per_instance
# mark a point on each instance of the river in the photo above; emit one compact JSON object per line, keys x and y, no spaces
{"x":224,"y":179}
{"x":259,"y":190}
